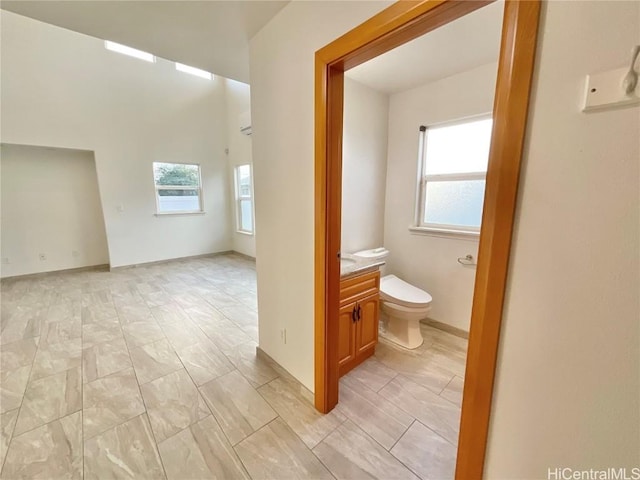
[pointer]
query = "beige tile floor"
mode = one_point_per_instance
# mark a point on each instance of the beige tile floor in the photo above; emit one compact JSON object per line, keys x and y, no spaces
{"x":152,"y":372}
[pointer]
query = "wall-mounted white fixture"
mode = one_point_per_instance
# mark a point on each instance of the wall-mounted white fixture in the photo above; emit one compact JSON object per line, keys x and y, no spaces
{"x":615,"y":88}
{"x":193,"y":71}
{"x":132,"y":52}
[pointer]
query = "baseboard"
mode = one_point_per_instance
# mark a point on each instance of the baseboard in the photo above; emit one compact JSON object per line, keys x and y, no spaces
{"x":458,"y":332}
{"x":27,"y":276}
{"x":265,"y":356}
{"x":283,"y":372}
{"x":169,"y":260}
{"x":109,"y":268}
{"x":244,"y":255}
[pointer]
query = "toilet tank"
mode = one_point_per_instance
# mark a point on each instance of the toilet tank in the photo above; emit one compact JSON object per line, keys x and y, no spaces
{"x":379,"y":253}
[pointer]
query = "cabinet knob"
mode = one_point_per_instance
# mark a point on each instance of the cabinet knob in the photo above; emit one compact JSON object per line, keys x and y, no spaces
{"x":354,"y":313}
{"x":359,"y":312}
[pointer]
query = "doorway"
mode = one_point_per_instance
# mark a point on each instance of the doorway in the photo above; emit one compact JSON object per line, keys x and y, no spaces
{"x":393,"y":27}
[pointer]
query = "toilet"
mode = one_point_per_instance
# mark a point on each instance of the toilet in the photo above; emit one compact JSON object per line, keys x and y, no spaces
{"x":404,"y":304}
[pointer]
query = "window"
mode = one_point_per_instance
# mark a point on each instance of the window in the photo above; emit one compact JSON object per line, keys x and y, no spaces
{"x":132,"y":52}
{"x":194,"y":71}
{"x":177,"y":187}
{"x":244,"y":199}
{"x":452,"y":175}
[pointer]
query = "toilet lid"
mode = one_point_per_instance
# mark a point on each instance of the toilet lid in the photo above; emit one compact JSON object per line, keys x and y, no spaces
{"x":395,"y":290}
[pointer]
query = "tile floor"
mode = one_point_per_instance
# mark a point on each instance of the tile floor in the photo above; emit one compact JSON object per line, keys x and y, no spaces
{"x":152,"y":372}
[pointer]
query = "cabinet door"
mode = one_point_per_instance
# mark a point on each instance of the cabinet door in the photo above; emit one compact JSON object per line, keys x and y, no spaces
{"x":346,"y":337}
{"x":367,"y":326}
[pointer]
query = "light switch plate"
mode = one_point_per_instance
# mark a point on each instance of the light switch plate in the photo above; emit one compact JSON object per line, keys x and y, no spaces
{"x":604,"y":90}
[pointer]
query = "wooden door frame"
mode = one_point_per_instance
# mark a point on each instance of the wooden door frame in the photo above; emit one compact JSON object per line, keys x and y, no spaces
{"x":394,"y":26}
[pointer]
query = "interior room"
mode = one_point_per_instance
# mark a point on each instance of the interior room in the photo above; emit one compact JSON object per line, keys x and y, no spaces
{"x":165,"y":274}
{"x":128,"y":252}
{"x":422,"y":109}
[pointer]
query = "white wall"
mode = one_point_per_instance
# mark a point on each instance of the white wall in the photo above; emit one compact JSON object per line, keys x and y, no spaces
{"x":63,"y":89}
{"x":50,"y":205}
{"x":567,"y":382}
{"x":568,"y":379}
{"x":364,"y":166}
{"x":427,"y":261}
{"x":282,"y":66}
{"x":238,"y":97}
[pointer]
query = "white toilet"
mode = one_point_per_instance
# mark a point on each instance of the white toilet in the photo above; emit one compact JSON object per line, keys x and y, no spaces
{"x":404,"y":304}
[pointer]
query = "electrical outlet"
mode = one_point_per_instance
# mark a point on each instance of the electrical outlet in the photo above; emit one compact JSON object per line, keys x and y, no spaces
{"x":283,"y":335}
{"x":42,"y":257}
{"x":5,"y":260}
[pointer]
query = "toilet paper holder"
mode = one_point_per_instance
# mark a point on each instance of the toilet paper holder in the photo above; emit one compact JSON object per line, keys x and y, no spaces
{"x":467,"y":260}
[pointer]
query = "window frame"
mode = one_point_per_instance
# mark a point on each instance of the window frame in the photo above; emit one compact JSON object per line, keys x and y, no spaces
{"x":422,"y":180}
{"x":129,"y":51}
{"x":239,"y":198}
{"x":157,"y":188}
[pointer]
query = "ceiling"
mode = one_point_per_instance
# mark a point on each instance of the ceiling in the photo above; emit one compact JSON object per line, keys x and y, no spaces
{"x":461,"y":45}
{"x":211,"y":35}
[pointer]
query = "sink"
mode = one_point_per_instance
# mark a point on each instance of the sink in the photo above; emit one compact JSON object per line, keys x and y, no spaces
{"x":346,"y":262}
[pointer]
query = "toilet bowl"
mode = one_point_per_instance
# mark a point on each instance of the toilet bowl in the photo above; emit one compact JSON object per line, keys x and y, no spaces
{"x":404,"y":305}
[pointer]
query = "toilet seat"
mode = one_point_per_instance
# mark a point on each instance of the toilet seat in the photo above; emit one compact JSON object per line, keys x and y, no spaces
{"x":395,"y":290}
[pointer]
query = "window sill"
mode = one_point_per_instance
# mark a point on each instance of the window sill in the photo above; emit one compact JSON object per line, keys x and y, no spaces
{"x":445,"y":233}
{"x":250,"y":234}
{"x":172,"y":214}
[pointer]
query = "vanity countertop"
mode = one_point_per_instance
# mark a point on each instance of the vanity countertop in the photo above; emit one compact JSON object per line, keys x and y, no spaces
{"x":352,"y":265}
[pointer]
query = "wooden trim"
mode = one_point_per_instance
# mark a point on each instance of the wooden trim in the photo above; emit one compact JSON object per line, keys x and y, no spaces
{"x":510,"y":111}
{"x":328,"y":205}
{"x":398,"y":24}
{"x":394,"y":26}
{"x":320,"y":243}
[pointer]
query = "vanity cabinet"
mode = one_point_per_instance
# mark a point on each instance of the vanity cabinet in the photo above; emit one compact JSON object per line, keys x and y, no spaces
{"x":358,"y":319}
